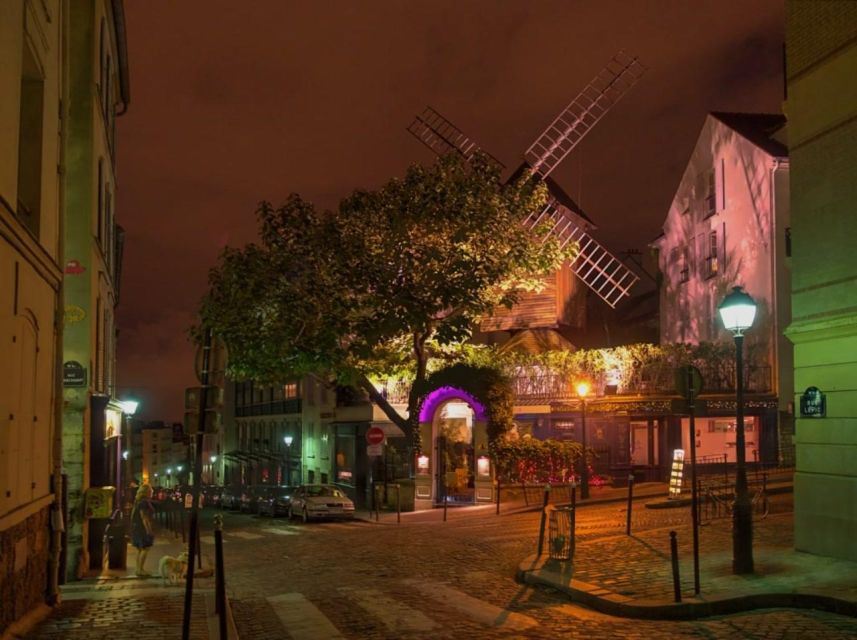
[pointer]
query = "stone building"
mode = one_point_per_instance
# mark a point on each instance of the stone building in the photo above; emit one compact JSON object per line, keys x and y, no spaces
{"x":821,"y":66}
{"x":31,"y":38}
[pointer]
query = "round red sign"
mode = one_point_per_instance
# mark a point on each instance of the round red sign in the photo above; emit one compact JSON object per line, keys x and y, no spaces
{"x":374,"y":435}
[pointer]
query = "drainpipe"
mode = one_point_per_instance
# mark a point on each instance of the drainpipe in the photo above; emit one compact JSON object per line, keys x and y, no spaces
{"x":57,"y":517}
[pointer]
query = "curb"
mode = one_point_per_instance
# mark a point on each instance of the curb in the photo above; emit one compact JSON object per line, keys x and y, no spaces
{"x":618,"y":605}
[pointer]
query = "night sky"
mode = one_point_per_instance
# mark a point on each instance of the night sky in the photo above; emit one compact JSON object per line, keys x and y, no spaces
{"x":235,"y":102}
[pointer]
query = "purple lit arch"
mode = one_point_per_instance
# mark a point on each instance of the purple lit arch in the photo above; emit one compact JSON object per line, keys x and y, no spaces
{"x":439,"y":396}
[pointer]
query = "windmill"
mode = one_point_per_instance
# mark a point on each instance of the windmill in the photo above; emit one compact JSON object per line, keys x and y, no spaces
{"x":594,"y":265}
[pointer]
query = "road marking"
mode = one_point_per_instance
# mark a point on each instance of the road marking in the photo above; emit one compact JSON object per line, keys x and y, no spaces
{"x":281,"y":531}
{"x":302,"y":619}
{"x":396,"y":616}
{"x":474,"y":608}
{"x":244,"y":535}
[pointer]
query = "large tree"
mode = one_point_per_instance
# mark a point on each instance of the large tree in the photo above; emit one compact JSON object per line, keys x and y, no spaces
{"x":361,"y":290}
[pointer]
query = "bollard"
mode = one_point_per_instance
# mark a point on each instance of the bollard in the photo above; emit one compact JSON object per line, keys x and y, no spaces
{"x":545,"y":500}
{"x":219,"y":577}
{"x":398,"y":503}
{"x":630,"y":502}
{"x":377,"y":505}
{"x":498,"y":496}
{"x":674,"y":557}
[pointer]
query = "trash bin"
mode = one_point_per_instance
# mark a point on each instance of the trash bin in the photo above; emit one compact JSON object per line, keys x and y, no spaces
{"x":116,"y":541}
{"x":561,"y":534}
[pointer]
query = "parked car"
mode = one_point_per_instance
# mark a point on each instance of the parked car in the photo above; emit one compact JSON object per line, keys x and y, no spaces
{"x":275,"y":501}
{"x":320,"y":501}
{"x":230,"y":497}
{"x":212,"y":495}
{"x":250,"y":497}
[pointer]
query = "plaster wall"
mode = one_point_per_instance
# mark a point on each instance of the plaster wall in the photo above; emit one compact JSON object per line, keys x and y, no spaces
{"x":821,"y":48}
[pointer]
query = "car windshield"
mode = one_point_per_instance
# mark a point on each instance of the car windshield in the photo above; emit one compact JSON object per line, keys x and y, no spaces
{"x":284,"y":492}
{"x":324,"y":491}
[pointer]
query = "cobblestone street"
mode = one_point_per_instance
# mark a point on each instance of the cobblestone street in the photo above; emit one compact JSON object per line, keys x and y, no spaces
{"x":428,"y":579}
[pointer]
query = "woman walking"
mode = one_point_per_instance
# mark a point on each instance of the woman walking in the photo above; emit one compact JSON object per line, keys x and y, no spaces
{"x":142,"y":532}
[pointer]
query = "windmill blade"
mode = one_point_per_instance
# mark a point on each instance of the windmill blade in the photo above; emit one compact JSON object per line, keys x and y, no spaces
{"x":442,"y":137}
{"x":575,"y":121}
{"x":596,"y":267}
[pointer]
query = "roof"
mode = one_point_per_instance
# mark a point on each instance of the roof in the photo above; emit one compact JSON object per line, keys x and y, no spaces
{"x":557,"y":192}
{"x":758,"y":128}
{"x":537,"y":341}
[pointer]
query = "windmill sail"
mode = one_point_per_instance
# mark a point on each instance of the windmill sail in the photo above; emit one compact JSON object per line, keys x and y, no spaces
{"x":442,"y":137}
{"x":575,"y":121}
{"x":596,"y":267}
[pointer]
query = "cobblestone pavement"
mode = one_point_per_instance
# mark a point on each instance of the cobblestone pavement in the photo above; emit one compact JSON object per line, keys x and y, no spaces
{"x":141,"y":614}
{"x":456,"y":580}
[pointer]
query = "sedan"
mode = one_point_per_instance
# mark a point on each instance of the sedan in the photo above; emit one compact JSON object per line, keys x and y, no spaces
{"x":276,"y":501}
{"x":320,"y":501}
{"x":230,"y":497}
{"x":250,"y":497}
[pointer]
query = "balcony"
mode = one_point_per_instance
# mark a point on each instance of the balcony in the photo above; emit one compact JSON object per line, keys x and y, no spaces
{"x":279,"y":407}
{"x":653,"y":379}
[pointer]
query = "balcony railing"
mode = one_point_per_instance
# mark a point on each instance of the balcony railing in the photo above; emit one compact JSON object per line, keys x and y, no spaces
{"x":647,"y":380}
{"x":292,"y":405}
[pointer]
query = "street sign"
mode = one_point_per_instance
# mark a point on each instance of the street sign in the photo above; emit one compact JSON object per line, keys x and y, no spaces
{"x":687,"y":379}
{"x":374,"y":450}
{"x":813,"y":403}
{"x":375,"y":435}
{"x":191,"y":421}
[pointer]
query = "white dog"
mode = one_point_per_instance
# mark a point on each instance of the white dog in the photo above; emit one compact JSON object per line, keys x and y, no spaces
{"x":173,"y":569}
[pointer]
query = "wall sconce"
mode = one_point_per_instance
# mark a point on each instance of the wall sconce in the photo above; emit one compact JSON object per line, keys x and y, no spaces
{"x":483,"y":467}
{"x":423,"y":465}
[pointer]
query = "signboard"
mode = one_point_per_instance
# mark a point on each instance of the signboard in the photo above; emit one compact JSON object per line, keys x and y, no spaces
{"x":112,"y":423}
{"x":374,"y":450}
{"x":375,"y":435}
{"x":676,"y":474}
{"x":687,"y":379}
{"x":98,"y":502}
{"x":813,"y":403}
{"x":73,"y":374}
{"x":188,"y":500}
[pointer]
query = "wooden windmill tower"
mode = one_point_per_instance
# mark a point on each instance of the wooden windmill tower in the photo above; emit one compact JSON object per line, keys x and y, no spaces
{"x":594,"y":266}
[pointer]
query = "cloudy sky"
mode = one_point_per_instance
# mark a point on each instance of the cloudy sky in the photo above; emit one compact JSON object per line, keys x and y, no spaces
{"x":234,"y":102}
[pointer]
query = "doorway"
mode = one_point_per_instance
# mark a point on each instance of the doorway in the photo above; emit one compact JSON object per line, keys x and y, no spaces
{"x":455,"y":454}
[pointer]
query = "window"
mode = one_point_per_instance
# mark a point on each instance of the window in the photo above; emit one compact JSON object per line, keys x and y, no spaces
{"x":684,"y":274}
{"x":788,"y":242}
{"x":99,"y":229}
{"x":30,"y":143}
{"x":712,"y":264}
{"x":290,"y":390}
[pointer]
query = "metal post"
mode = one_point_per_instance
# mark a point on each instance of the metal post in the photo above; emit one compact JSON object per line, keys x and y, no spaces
{"x":197,"y":468}
{"x":498,"y":495}
{"x":694,"y":501}
{"x":219,"y":577}
{"x":584,"y":471}
{"x":674,"y":557}
{"x":545,"y":500}
{"x":398,"y":503}
{"x":742,"y":514}
{"x":630,"y":502}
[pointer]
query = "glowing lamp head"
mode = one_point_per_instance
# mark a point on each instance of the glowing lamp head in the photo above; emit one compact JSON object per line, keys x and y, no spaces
{"x":582,"y":389}
{"x":180,"y":467}
{"x":169,"y":471}
{"x":213,"y":459}
{"x":125,"y":454}
{"x":288,"y":440}
{"x":129,"y":407}
{"x":737,"y":311}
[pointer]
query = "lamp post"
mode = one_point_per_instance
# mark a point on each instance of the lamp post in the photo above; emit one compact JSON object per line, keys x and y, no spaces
{"x":582,"y":392}
{"x":738,"y":310}
{"x":213,"y":459}
{"x":129,"y":408}
{"x":288,"y":440}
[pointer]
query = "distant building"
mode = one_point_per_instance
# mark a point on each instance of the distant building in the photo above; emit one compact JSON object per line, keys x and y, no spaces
{"x":97,"y":91}
{"x":728,"y":225}
{"x":31,"y":275}
{"x":821,"y":51}
{"x":164,"y":454}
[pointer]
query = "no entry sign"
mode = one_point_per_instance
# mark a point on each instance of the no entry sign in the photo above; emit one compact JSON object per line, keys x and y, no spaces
{"x":375,"y":435}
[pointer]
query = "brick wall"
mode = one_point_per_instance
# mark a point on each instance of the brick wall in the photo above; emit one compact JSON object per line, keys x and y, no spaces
{"x":24,"y":551}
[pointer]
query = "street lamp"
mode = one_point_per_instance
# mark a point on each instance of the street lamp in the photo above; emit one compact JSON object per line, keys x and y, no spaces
{"x":129,"y":408}
{"x":738,"y":310}
{"x":582,"y":391}
{"x":211,"y":478}
{"x":288,"y":440}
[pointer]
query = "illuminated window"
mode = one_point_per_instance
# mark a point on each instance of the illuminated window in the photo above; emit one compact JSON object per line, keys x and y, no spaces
{"x":290,"y":390}
{"x":712,"y":264}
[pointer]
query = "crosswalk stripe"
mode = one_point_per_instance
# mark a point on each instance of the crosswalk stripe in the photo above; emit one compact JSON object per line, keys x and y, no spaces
{"x":396,"y":616}
{"x":245,"y":535}
{"x":302,"y":619}
{"x":281,"y":531}
{"x":474,"y":608}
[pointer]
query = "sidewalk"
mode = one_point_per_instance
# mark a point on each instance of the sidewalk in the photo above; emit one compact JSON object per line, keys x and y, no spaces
{"x":631,"y":576}
{"x":117,"y":604}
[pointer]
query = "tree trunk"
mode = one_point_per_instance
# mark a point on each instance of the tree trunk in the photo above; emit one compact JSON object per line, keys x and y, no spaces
{"x":421,"y":362}
{"x":376,"y":397}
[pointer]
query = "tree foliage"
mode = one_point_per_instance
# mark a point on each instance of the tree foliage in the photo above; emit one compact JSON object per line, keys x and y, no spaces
{"x":362,"y":289}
